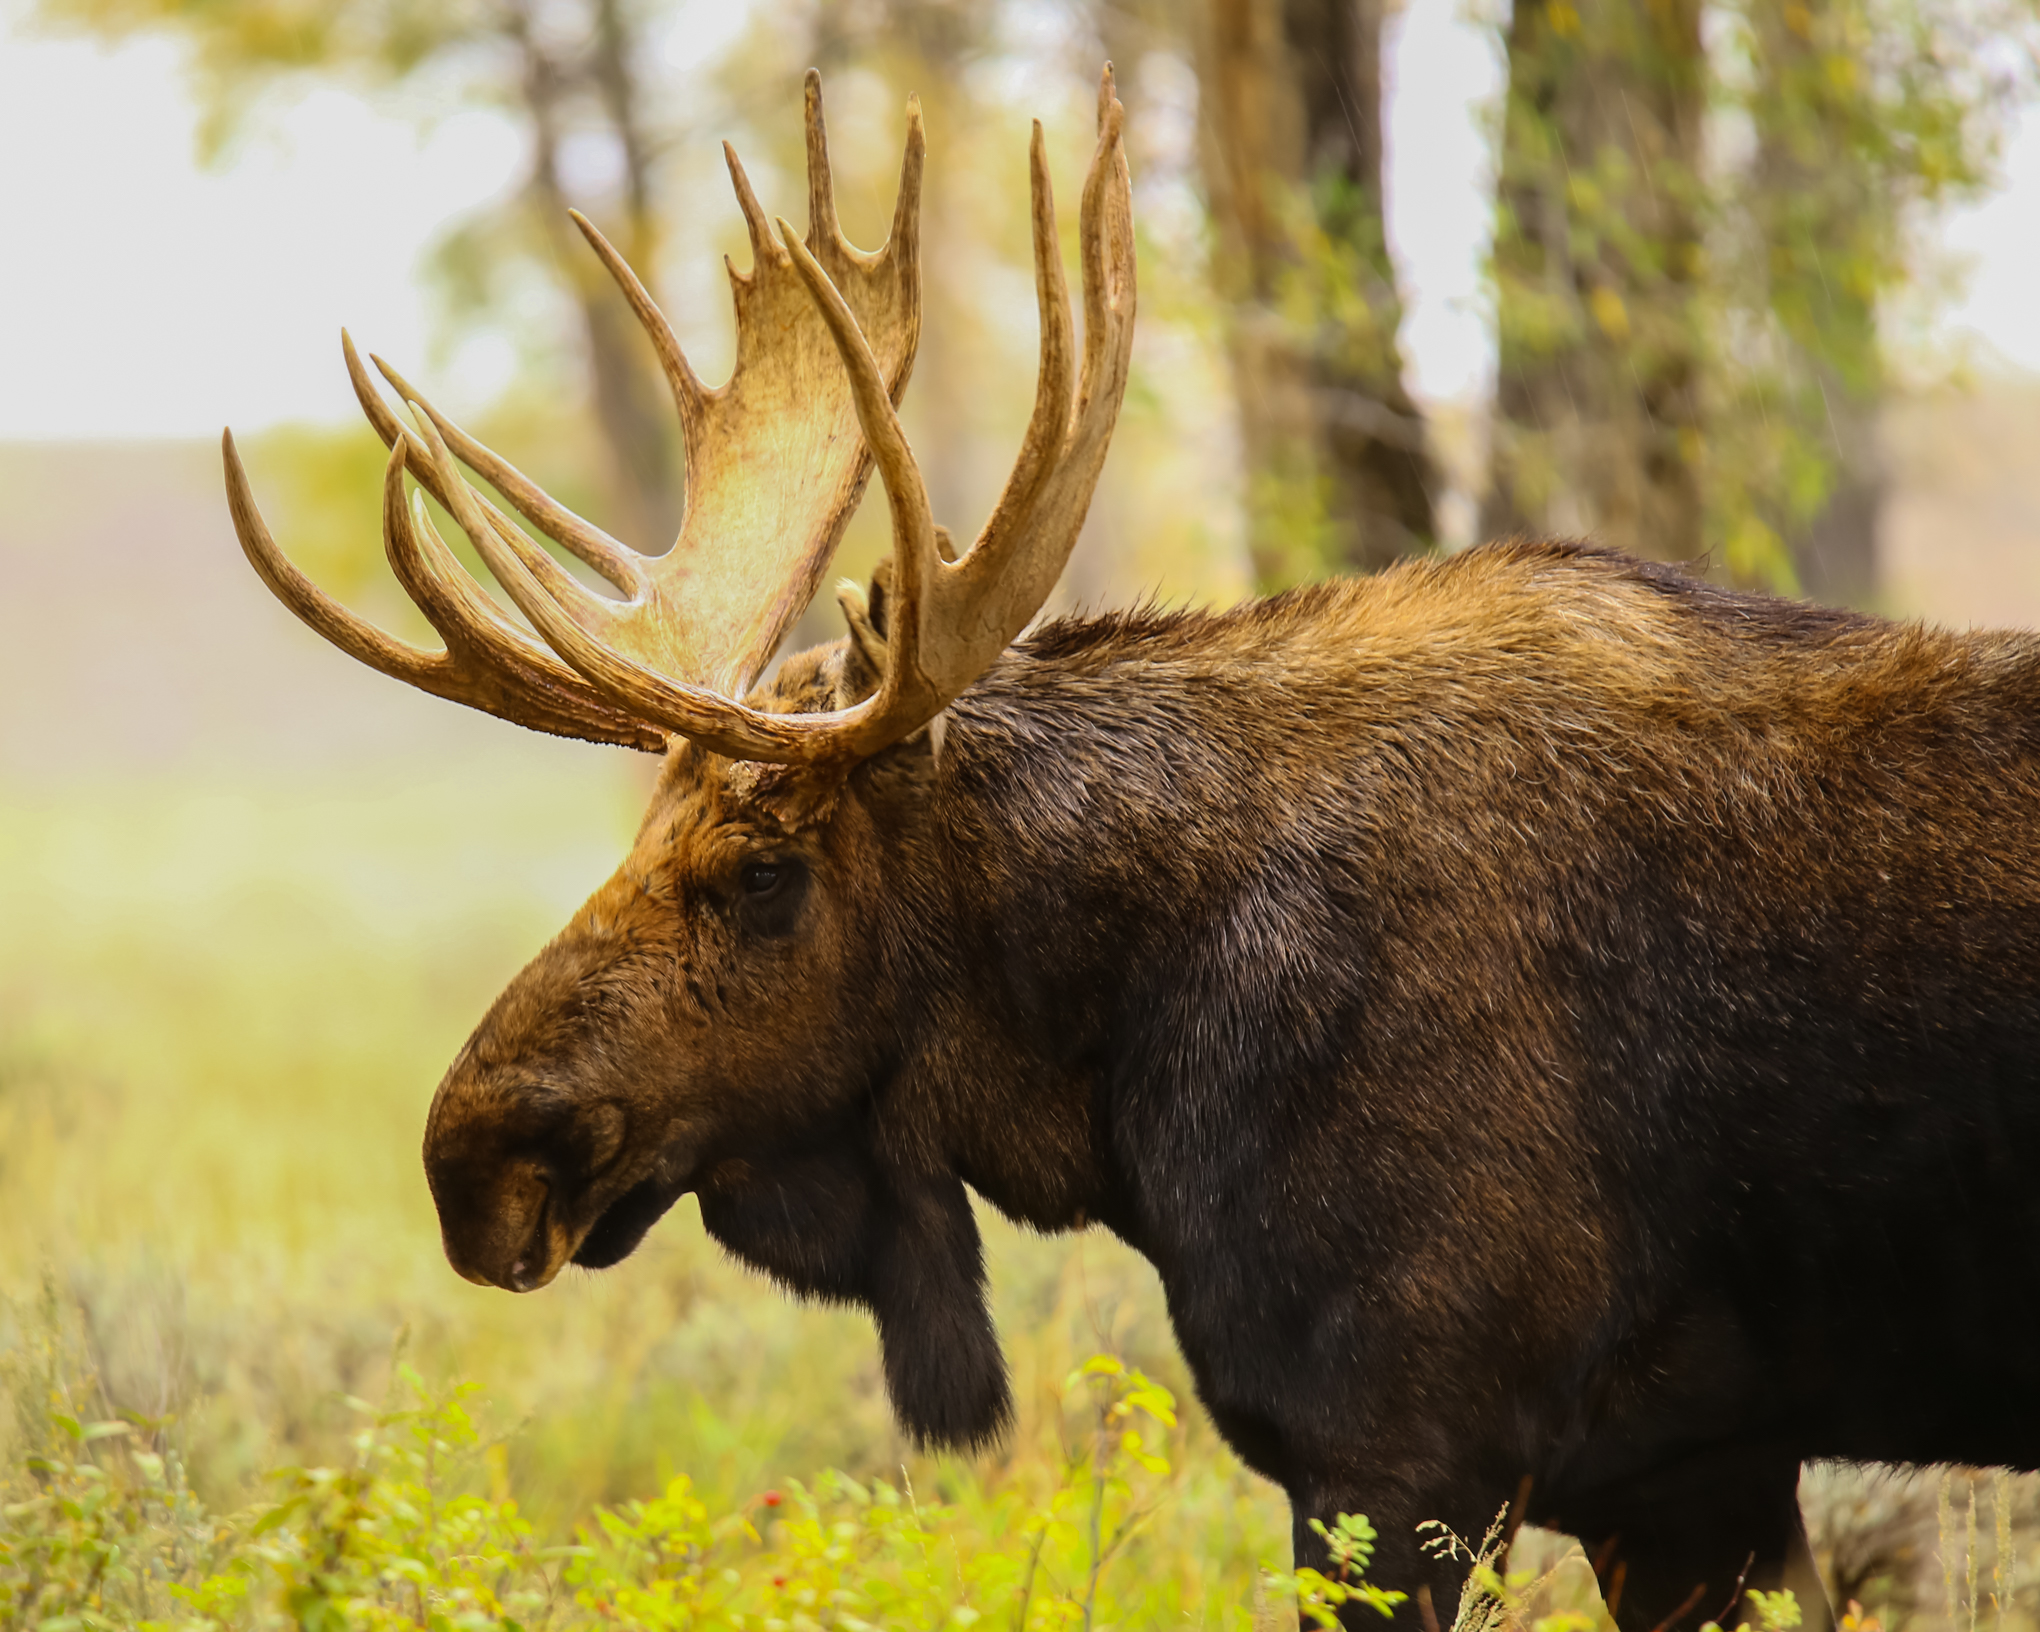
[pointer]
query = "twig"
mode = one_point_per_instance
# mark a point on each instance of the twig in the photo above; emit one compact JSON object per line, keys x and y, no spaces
{"x":1027,"y":1581}
{"x":1685,"y":1608}
{"x":1735,"y":1597}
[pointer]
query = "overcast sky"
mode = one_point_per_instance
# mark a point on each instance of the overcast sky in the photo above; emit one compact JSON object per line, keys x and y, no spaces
{"x":142,"y":296}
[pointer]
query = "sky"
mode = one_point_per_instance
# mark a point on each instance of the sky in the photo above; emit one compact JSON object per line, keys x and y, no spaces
{"x":144,"y":296}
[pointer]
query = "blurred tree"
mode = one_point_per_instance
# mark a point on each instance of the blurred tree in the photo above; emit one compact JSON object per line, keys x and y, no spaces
{"x":571,"y":72}
{"x":1815,"y":199}
{"x":1597,"y":268}
{"x":1692,"y":251}
{"x":924,"y":48}
{"x":1860,"y":115}
{"x":1339,"y":470}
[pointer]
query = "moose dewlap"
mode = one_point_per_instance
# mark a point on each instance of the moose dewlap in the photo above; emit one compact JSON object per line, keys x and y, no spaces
{"x":1562,"y":1032}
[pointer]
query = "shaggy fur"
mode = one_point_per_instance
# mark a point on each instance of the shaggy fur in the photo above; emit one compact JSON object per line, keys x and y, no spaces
{"x":1542,"y":1016}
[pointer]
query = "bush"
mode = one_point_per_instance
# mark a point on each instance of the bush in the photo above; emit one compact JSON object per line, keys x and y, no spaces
{"x":102,"y":1530}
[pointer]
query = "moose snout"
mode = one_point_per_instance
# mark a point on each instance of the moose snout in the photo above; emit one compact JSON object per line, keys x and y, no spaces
{"x":498,"y":1227}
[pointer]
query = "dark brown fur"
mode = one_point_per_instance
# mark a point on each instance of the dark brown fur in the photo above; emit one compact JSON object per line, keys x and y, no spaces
{"x":1539,"y":1014}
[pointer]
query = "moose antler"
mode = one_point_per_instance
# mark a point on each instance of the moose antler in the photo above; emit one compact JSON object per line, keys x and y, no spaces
{"x":773,"y":473}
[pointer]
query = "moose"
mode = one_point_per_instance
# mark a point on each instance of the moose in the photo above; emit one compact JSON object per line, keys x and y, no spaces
{"x":1565,"y":1033}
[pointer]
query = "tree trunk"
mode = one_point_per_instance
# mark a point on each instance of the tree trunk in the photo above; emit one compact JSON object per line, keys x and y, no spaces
{"x":1338,"y":467}
{"x":1597,"y":260}
{"x":639,"y":428}
{"x":924,"y":47}
{"x":1813,"y":199}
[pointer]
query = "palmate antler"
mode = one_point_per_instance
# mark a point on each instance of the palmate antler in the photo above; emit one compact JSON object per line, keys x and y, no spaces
{"x":774,"y":470}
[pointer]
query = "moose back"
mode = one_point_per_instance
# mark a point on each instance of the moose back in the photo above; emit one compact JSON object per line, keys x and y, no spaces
{"x":1556,"y":1027}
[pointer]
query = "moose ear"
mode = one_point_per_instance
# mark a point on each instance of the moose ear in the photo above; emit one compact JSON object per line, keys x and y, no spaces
{"x":865,"y":612}
{"x":944,"y":1371}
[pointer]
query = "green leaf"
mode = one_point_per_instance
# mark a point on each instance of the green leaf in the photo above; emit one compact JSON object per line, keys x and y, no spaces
{"x":105,"y":1430}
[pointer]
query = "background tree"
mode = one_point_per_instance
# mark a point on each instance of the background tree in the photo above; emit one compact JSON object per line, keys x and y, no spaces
{"x":1597,"y":269}
{"x":1694,"y":250}
{"x":1339,"y":472}
{"x":571,"y":73}
{"x":1857,"y":119}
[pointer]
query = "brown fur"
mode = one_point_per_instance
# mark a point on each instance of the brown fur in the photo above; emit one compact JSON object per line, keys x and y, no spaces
{"x":1538,"y":1013}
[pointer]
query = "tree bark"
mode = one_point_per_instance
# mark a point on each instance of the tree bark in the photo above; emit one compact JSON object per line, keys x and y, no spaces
{"x":1339,"y":470}
{"x":639,"y":428}
{"x":1598,"y":416}
{"x":925,"y":47}
{"x":1812,"y":200}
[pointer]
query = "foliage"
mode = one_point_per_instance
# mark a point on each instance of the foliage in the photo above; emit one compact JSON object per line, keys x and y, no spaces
{"x":421,"y":1530}
{"x":1699,"y":234}
{"x":1856,"y":119}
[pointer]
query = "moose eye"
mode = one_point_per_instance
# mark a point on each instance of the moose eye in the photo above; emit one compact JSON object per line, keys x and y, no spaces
{"x":772,"y":895}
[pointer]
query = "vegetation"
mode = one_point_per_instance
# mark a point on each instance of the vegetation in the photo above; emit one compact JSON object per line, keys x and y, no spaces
{"x":419,"y":1529}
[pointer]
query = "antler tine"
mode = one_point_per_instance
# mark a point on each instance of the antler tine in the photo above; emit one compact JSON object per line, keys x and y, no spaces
{"x":823,"y":228}
{"x":317,"y":610}
{"x":1024,"y":577}
{"x":1050,"y":421}
{"x":763,"y":248}
{"x":617,"y":562}
{"x":717,"y":722}
{"x":688,"y":391}
{"x":905,"y":241}
{"x":525,"y":686}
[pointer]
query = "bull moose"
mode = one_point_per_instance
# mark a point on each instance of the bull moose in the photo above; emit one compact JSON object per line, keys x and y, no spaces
{"x":1554,"y":1025}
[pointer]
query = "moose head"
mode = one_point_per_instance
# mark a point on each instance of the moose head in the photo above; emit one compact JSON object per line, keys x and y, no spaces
{"x":710,"y":1021}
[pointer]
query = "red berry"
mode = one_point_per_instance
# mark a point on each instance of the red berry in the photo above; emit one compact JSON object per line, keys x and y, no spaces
{"x":773,"y":1498}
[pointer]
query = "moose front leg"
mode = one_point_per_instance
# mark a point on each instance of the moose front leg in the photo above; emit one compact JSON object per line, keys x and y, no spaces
{"x":838,"y":1224}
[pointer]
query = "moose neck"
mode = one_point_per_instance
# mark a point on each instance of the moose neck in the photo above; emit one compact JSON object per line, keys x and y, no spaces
{"x":1096,"y":802}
